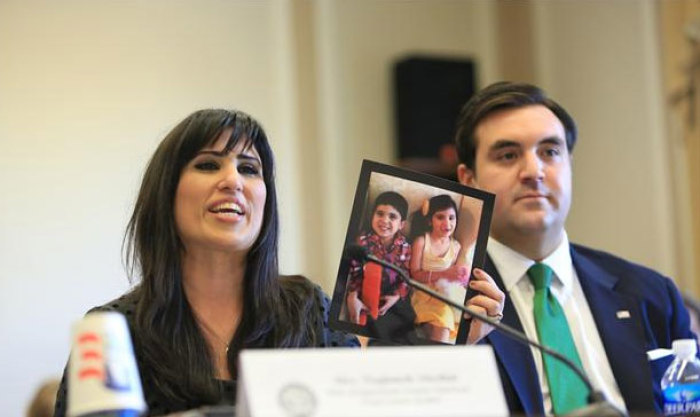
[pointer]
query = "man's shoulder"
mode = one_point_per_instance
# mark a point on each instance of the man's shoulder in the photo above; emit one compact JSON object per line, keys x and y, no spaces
{"x":613,"y":264}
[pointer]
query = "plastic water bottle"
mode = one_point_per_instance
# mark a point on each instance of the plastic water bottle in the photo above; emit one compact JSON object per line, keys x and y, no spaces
{"x":103,"y":378}
{"x":681,"y":381}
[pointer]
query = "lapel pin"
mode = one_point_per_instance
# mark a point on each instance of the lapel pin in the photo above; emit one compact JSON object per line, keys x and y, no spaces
{"x":623,"y":314}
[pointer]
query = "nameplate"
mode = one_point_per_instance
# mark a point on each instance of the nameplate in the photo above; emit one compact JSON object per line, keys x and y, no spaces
{"x":436,"y":381}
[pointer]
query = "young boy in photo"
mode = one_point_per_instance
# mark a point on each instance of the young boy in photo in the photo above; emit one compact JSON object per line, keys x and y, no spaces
{"x":394,"y":315}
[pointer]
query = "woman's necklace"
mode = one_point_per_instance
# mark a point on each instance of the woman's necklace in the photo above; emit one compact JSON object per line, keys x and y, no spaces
{"x":221,"y":358}
{"x":213,"y":333}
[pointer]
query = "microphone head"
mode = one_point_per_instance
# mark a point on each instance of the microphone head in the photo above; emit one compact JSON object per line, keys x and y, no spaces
{"x":355,"y":252}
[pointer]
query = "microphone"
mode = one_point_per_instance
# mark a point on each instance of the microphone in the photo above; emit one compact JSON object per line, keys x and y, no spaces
{"x":358,"y":253}
{"x":597,"y":406}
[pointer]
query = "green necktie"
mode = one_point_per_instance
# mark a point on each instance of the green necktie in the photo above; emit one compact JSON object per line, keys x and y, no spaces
{"x":566,"y":389}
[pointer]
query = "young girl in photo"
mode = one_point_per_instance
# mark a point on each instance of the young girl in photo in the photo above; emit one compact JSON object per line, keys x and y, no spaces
{"x":435,"y":261}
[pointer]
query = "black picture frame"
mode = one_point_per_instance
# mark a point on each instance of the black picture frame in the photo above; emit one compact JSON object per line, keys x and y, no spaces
{"x":475,"y":208}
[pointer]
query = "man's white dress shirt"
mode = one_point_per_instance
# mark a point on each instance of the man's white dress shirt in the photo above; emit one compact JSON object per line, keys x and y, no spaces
{"x":512,"y":267}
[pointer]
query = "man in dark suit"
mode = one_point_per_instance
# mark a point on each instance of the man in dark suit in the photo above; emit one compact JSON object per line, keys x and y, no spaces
{"x":516,"y":142}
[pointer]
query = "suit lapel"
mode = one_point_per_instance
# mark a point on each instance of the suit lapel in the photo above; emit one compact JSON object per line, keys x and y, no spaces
{"x":515,"y":356}
{"x":618,"y":319}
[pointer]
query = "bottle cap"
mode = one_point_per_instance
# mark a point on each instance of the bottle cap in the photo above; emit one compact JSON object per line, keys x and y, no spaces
{"x":685,"y":348}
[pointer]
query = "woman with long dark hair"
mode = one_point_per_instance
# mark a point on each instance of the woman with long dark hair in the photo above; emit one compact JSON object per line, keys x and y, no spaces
{"x":203,"y":241}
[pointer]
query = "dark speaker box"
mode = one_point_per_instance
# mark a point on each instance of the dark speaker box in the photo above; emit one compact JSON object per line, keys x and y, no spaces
{"x":429,"y":93}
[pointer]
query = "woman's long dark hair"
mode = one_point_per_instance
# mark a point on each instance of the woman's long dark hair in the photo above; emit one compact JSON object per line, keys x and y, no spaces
{"x":174,"y":352}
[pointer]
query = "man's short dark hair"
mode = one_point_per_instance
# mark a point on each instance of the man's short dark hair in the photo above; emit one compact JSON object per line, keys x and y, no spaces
{"x":499,"y":96}
{"x":393,"y":199}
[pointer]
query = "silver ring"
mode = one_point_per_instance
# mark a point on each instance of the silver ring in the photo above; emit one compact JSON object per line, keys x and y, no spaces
{"x":497,"y":316}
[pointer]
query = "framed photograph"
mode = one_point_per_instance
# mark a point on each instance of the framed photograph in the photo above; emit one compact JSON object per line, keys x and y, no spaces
{"x":432,"y":229}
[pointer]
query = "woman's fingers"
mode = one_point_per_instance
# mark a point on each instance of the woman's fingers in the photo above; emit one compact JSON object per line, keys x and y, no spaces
{"x":491,"y":307}
{"x":478,"y":330}
{"x":482,"y":282}
{"x":489,"y":296}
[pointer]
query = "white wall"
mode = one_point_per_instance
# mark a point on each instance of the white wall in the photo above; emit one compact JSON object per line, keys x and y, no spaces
{"x":598,"y":58}
{"x":359,"y":41}
{"x":603,"y":66}
{"x":87,"y":89}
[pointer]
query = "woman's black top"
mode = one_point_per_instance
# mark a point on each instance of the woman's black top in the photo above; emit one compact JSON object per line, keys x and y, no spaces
{"x":158,"y":405}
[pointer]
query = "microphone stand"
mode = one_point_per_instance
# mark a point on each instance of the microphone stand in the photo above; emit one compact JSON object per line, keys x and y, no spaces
{"x":597,"y":404}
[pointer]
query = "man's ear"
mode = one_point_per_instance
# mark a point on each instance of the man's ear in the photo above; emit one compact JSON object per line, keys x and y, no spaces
{"x":403,"y":223}
{"x":466,"y":176}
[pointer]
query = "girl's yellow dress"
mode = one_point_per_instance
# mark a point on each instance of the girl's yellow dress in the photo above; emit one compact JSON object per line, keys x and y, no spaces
{"x":429,"y":309}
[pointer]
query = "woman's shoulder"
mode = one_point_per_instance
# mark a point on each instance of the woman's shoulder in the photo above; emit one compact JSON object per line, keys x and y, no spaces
{"x":125,"y":304}
{"x":298,"y":284}
{"x":302,"y":289}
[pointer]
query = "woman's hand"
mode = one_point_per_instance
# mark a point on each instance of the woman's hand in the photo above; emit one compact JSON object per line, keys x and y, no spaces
{"x":388,"y":301}
{"x":489,"y":301}
{"x":355,"y":307}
